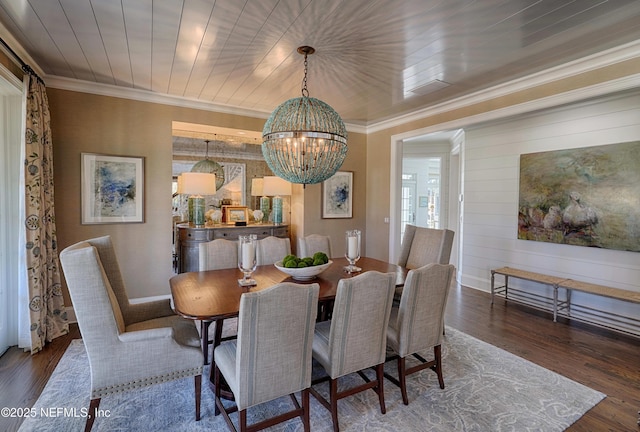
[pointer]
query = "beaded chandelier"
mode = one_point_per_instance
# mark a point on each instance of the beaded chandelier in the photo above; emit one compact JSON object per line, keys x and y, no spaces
{"x":210,"y":167}
{"x":304,"y":139}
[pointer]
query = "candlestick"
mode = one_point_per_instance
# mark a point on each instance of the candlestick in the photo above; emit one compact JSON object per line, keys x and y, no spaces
{"x":352,"y":252}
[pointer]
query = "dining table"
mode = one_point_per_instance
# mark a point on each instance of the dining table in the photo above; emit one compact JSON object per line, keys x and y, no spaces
{"x":214,"y":295}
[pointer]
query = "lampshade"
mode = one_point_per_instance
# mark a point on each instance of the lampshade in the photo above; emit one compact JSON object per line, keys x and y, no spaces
{"x":198,"y":183}
{"x":304,"y":139}
{"x":256,"y":186}
{"x":211,"y":167}
{"x":274,"y":186}
{"x":179,"y":188}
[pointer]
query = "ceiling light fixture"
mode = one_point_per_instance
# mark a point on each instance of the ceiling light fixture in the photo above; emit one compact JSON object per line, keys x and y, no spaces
{"x":304,"y":139}
{"x":210,"y":167}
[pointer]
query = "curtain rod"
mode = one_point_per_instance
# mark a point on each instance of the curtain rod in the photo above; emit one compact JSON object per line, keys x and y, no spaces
{"x":25,"y":67}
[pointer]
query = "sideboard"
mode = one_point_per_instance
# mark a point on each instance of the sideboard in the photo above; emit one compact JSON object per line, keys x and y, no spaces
{"x":190,"y":237}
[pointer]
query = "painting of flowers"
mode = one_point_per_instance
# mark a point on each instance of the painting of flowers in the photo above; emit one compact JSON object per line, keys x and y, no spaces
{"x":112,"y":189}
{"x":584,"y":197}
{"x":337,"y":199}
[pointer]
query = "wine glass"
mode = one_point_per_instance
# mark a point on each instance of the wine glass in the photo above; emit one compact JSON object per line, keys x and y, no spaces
{"x":352,"y":251}
{"x":247,"y":258}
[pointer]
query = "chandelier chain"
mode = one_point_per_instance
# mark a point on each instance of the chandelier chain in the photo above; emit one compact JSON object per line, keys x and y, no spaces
{"x":305,"y":92}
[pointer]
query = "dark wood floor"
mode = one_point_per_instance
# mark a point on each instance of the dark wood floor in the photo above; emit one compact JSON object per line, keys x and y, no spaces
{"x":603,"y":360}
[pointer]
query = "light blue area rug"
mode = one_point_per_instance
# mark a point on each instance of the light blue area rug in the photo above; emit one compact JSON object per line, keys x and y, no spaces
{"x":486,"y":389}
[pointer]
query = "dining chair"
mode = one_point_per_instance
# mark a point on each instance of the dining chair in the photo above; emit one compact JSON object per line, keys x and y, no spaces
{"x":416,"y":325}
{"x":271,"y":357}
{"x":272,"y":249}
{"x":355,"y":338}
{"x":217,"y":255}
{"x":308,"y":245}
{"x":422,"y":246}
{"x":128,"y":345}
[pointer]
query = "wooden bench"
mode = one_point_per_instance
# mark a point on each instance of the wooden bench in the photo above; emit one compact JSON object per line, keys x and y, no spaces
{"x":569,"y":285}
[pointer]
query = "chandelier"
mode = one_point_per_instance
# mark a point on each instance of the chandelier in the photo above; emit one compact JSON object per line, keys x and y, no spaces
{"x":210,"y":167}
{"x":304,"y":139}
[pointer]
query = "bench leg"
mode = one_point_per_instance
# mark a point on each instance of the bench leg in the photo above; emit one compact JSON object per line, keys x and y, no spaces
{"x":569,"y":302}
{"x":555,"y":303}
{"x":493,"y":281}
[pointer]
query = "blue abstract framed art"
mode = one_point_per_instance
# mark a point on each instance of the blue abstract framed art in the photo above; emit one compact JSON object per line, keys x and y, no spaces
{"x":337,"y":196}
{"x":112,"y":189}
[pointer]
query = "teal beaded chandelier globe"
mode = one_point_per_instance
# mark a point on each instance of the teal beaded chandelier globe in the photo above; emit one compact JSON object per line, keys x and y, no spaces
{"x":210,"y":167}
{"x":304,"y":139}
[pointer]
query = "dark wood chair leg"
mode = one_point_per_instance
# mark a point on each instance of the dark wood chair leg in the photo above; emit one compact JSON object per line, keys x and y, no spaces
{"x":306,"y":408}
{"x":402,"y":379}
{"x":333,"y":400}
{"x":93,"y":408}
{"x":198,"y":391}
{"x":243,"y":420}
{"x":380,"y":387}
{"x":437,"y":352}
{"x":218,"y":391}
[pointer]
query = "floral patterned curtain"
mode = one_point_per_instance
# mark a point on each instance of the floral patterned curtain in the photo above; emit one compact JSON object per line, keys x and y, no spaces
{"x":46,"y":305}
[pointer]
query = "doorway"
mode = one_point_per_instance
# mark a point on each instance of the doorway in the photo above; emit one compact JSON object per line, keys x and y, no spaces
{"x":10,"y":192}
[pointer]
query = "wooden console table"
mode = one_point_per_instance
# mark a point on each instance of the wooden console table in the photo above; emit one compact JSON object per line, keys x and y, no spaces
{"x":190,"y":237}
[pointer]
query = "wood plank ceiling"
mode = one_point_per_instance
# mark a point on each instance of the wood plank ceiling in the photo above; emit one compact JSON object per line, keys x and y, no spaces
{"x":375,"y":59}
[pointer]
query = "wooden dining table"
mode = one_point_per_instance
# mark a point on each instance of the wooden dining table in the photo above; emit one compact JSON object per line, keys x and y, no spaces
{"x":214,"y":295}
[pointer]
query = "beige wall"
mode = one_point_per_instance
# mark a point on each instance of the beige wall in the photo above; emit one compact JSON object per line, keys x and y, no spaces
{"x":335,"y":228}
{"x":99,"y":124}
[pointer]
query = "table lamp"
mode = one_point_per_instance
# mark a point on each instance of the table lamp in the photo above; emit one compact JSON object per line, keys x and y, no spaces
{"x":257,"y":190}
{"x":196,"y":185}
{"x":275,"y":186}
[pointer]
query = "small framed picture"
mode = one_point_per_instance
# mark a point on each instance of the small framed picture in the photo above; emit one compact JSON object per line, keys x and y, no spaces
{"x":337,"y":196}
{"x":233,"y":214}
{"x":423,"y":201}
{"x":112,"y":189}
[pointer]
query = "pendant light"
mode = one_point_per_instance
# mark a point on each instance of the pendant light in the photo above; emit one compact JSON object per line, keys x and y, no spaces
{"x":210,"y":167}
{"x":304,"y":139}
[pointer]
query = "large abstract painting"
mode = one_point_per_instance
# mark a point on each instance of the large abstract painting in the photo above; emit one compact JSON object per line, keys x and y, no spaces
{"x":586,"y":196}
{"x":112,"y":189}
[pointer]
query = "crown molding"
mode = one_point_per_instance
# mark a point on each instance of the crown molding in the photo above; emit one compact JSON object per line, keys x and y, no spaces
{"x":615,"y":55}
{"x":586,"y":64}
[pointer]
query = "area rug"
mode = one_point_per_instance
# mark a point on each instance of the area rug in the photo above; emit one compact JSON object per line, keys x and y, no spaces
{"x":486,"y":389}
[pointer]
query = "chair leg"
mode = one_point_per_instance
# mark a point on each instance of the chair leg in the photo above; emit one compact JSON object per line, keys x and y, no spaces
{"x":93,"y":408}
{"x":243,"y":420}
{"x":380,"y":387}
{"x":218,"y":391}
{"x":402,"y":379}
{"x":198,"y":391}
{"x":305,"y":410}
{"x":437,"y":352}
{"x":333,"y":400}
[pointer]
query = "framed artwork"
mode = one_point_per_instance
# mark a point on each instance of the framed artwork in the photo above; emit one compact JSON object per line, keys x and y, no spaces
{"x":337,"y":196}
{"x":423,"y":201}
{"x":582,"y":196}
{"x":112,"y":189}
{"x":233,"y":214}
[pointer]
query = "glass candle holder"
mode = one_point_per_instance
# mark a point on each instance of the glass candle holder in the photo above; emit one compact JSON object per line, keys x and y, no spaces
{"x":352,"y":250}
{"x":247,"y":258}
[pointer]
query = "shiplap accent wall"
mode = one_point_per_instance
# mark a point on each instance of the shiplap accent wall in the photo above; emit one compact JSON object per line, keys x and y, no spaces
{"x":490,"y":216}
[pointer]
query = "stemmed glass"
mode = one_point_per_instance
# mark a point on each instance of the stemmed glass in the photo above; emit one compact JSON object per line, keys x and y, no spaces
{"x":352,"y":251}
{"x":247,"y":258}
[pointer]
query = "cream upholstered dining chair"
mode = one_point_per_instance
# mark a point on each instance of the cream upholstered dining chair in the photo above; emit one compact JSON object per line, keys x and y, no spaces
{"x":356,"y":336}
{"x":217,"y":255}
{"x":422,"y":246}
{"x":313,"y":243}
{"x":416,"y":325}
{"x":129,"y":345}
{"x":272,"y":249}
{"x":271,"y":357}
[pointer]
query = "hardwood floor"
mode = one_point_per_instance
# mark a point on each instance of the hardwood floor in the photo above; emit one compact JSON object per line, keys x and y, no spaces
{"x":603,"y":360}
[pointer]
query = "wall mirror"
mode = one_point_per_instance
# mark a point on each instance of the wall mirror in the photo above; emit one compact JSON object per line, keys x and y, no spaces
{"x":239,"y":153}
